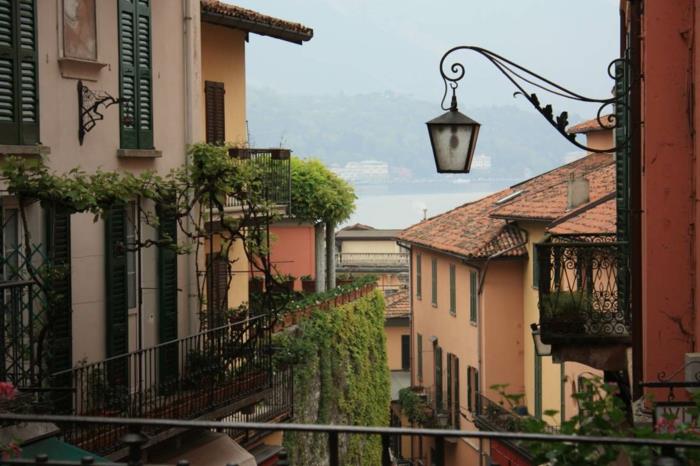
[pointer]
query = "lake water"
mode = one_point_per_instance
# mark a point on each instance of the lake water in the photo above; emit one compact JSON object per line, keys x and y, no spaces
{"x":404,"y":210}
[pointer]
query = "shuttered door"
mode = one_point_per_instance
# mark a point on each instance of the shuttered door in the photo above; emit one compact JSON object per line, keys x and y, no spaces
{"x":19,"y":98}
{"x":217,"y":289}
{"x":405,"y":352}
{"x":116,"y":288}
{"x":135,"y":81}
{"x":60,"y":325}
{"x":167,"y":297}
{"x":449,"y":387}
{"x":215,"y":116}
{"x":438,"y":377}
{"x":455,"y":390}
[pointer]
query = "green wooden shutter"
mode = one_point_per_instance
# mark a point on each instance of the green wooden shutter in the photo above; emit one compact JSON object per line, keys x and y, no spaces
{"x":419,"y":275}
{"x":218,"y":271}
{"x":438,"y":376}
{"x":473,"y":297}
{"x":405,"y":352}
{"x":449,"y":387}
{"x":135,"y":74}
{"x":215,"y":112}
{"x":167,"y":297}
{"x":470,"y":370}
{"x":458,"y":416}
{"x":19,"y":96}
{"x":419,"y":356}
{"x":116,"y":281}
{"x":60,"y":342}
{"x":538,"y":386}
{"x":453,"y":291}
{"x":433,"y":284}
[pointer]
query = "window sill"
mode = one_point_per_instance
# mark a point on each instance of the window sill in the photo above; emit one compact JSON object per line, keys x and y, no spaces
{"x":34,"y":149}
{"x":453,"y":313}
{"x":139,"y":153}
{"x":434,"y":305}
{"x":473,"y":324}
{"x":76,"y":68}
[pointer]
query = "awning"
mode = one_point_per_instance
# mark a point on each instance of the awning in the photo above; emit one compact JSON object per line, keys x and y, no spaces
{"x":57,"y":450}
{"x":205,"y":448}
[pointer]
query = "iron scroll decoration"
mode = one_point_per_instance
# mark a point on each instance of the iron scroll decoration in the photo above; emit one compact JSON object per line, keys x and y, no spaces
{"x":89,"y":102}
{"x":520,"y":76}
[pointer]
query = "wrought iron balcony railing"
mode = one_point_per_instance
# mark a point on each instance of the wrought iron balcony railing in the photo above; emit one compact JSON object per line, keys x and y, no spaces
{"x":213,"y":373}
{"x":583,"y":290}
{"x":275,"y":170}
{"x":134,"y":442}
{"x":366,"y":259}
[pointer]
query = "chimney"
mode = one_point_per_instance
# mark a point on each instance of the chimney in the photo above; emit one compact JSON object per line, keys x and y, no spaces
{"x":577,"y":191}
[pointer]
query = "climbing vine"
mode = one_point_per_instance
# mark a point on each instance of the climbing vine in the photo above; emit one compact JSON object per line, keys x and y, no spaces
{"x":340,"y":377}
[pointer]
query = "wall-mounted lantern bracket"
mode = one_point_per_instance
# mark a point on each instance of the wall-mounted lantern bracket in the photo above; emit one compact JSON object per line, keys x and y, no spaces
{"x":89,"y":102}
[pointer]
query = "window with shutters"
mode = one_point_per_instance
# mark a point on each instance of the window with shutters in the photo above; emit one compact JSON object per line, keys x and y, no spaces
{"x":214,"y":111}
{"x":19,"y":97}
{"x":437,"y":354}
{"x":405,"y":352}
{"x":448,"y":392}
{"x":218,"y":269}
{"x":117,"y":303}
{"x":453,"y":291}
{"x":535,"y":268}
{"x":419,"y":356}
{"x":473,"y":296}
{"x":419,"y":275}
{"x":135,"y":81}
{"x":433,"y":282}
{"x":472,"y":389}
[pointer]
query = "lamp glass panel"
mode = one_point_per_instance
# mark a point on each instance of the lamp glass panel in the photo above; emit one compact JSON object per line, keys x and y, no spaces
{"x":452,"y":145}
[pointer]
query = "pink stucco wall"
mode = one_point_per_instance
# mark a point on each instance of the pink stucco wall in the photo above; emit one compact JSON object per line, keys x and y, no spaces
{"x":669,"y":186}
{"x":293,"y":249}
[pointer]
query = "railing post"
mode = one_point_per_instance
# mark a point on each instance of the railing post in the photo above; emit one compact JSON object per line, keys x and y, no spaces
{"x":386,"y":445}
{"x":333,"y":449}
{"x":440,"y":451}
{"x":134,"y":441}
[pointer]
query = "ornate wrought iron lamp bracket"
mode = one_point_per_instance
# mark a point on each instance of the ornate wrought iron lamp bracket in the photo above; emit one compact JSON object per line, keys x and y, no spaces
{"x":666,"y":381}
{"x":520,"y":77}
{"x":89,"y":102}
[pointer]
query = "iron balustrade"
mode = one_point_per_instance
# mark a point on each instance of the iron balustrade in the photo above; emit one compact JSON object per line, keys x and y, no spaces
{"x":275,"y":171}
{"x":582,"y":290}
{"x":219,"y":370}
{"x":19,"y":333}
{"x":372,"y":259}
{"x":496,"y":416}
{"x":134,"y":442}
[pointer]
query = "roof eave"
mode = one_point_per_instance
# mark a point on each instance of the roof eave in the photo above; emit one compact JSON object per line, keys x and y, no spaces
{"x":256,"y":27}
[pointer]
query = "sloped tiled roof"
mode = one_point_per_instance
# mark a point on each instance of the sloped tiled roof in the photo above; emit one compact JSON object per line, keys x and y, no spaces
{"x":249,"y":20}
{"x":471,"y":231}
{"x":397,"y":304}
{"x":550,"y":203}
{"x":593,"y":125}
{"x":593,"y":218}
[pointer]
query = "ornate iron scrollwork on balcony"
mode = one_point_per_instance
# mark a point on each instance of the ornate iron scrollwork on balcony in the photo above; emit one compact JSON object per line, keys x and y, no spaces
{"x":582,"y":290}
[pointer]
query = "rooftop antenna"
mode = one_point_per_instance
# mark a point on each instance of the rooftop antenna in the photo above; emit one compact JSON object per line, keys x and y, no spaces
{"x":425,"y":213}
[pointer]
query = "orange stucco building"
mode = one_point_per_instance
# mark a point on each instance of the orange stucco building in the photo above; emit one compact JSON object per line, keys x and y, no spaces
{"x":474,"y":296}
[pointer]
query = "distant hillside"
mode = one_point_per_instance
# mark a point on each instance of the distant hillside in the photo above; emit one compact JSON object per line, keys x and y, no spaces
{"x":391,"y":128}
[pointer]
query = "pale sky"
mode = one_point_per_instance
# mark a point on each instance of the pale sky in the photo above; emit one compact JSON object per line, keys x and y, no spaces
{"x":366,"y":46}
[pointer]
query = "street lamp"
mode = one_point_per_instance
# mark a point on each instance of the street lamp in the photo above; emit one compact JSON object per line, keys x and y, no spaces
{"x":453,"y":135}
{"x":453,"y":139}
{"x":541,"y":349}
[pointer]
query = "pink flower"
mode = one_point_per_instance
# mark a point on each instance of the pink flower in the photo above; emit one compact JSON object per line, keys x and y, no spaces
{"x":7,"y":391}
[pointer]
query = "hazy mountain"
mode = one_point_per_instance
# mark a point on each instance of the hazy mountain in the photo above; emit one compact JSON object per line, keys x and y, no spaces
{"x":391,"y":128}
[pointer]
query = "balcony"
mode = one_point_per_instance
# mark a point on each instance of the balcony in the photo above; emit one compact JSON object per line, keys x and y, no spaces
{"x":274,"y":169}
{"x":210,"y":375}
{"x":583,"y":290}
{"x":369,"y":262}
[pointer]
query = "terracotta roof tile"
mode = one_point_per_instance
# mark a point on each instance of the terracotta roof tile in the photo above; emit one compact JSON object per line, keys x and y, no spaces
{"x":599,"y":218}
{"x":471,"y":231}
{"x":397,"y":304}
{"x":593,"y":125}
{"x":259,"y":23}
{"x":550,"y":202}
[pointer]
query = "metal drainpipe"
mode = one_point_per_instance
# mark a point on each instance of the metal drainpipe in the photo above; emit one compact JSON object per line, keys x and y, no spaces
{"x":190,"y":100}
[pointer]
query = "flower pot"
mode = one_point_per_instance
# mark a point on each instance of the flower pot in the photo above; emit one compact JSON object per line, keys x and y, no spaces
{"x":308,"y":286}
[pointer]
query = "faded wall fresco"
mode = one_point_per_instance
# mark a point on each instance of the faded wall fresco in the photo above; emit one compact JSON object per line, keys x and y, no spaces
{"x":79,"y":31}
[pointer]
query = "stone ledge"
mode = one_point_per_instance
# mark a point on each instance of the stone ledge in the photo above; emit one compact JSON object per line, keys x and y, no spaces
{"x":139,"y":153}
{"x":76,"y":68}
{"x":34,"y":149}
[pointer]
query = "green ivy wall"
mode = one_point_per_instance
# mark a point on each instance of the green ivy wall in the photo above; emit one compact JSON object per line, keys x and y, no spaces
{"x":340,"y":377}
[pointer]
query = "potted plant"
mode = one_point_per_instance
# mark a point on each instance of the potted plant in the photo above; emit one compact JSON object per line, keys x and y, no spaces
{"x":286,"y":281}
{"x":308,"y":284}
{"x":344,"y":279}
{"x":564,"y":313}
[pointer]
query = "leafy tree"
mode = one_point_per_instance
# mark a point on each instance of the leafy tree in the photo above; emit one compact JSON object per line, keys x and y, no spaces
{"x":318,"y":194}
